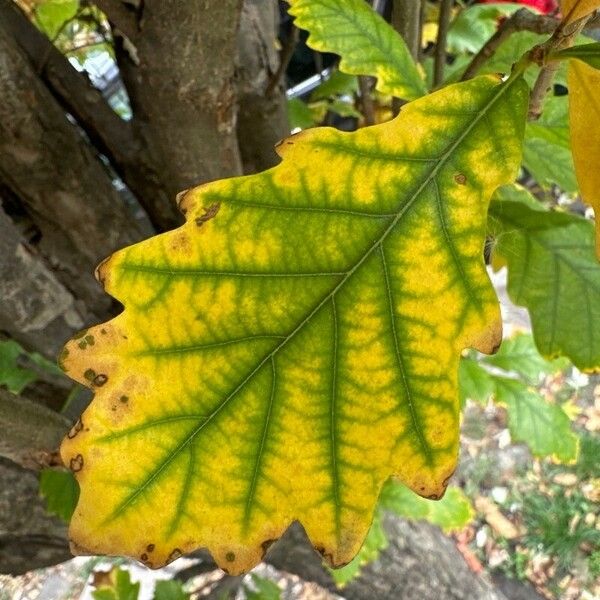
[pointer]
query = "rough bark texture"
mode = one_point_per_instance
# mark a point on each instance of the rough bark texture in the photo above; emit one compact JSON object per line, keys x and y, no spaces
{"x":113,"y":136}
{"x":35,"y":307}
{"x":180,"y":82}
{"x":49,"y":166}
{"x":262,"y":117}
{"x":29,"y":538}
{"x":30,"y":432}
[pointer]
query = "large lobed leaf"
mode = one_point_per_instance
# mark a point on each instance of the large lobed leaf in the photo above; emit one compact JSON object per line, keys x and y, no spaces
{"x":366,"y":43}
{"x":297,"y":341}
{"x":553,"y":271}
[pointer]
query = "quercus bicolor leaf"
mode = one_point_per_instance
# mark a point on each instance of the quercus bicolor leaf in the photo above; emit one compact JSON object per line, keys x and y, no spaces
{"x":297,"y":341}
{"x":366,"y":43}
{"x":584,"y":119}
{"x":573,"y":10}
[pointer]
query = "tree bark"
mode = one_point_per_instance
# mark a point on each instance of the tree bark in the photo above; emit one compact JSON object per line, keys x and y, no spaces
{"x":50,"y":167}
{"x":262,"y":116}
{"x":180,"y":83}
{"x":30,"y":433}
{"x":29,"y":537}
{"x":35,"y":307}
{"x":113,"y":136}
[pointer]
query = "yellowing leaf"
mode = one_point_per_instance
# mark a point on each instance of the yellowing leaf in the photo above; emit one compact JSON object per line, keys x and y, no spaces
{"x":584,"y":116}
{"x":297,"y":341}
{"x":577,"y":9}
{"x":366,"y":43}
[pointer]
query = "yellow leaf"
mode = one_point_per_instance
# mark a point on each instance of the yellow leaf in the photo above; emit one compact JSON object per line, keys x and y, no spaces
{"x":573,"y":10}
{"x":584,"y":116}
{"x":297,"y":341}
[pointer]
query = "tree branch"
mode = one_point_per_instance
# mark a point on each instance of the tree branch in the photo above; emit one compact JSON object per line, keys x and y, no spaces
{"x":440,"y":46}
{"x":521,"y":20}
{"x":406,"y":20}
{"x":111,"y":135}
{"x":563,"y":37}
{"x":31,"y":432}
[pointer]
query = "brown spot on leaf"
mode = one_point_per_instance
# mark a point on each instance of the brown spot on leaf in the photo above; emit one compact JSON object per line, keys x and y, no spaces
{"x":100,"y":379}
{"x":150,"y":547}
{"x":62,"y":357}
{"x":124,"y":399}
{"x":75,"y":429}
{"x":266,"y":545}
{"x":90,"y":374}
{"x":433,"y":497}
{"x":209,"y":213}
{"x":144,"y":557}
{"x":174,"y":555}
{"x":103,"y":331}
{"x":460,"y":178}
{"x":76,"y":463}
{"x":230,"y":557}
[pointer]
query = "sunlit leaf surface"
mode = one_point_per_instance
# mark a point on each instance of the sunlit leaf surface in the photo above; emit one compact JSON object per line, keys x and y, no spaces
{"x":584,"y":113}
{"x":297,"y":341}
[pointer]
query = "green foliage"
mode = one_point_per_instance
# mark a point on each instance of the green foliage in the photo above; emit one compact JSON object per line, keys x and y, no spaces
{"x":51,"y":15}
{"x":541,"y":424}
{"x":169,"y":589}
{"x":118,"y":587}
{"x":60,"y":491}
{"x":12,"y":376}
{"x":588,"y":461}
{"x":474,"y":26}
{"x":588,"y":53}
{"x":555,"y":523}
{"x":519,"y":354}
{"x":261,"y":589}
{"x":547,"y":151}
{"x":366,"y":43}
{"x":554,"y":273}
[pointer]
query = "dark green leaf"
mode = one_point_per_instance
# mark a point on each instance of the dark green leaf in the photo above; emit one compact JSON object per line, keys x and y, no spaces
{"x":61,"y":492}
{"x":169,"y":590}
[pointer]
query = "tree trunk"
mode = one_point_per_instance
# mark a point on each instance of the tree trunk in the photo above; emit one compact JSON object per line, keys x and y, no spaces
{"x":35,"y":307}
{"x":49,"y":166}
{"x":179,"y":78}
{"x":262,"y":116}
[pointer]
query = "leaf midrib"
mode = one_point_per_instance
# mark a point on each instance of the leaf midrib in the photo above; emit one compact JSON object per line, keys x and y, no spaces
{"x":502,"y":89}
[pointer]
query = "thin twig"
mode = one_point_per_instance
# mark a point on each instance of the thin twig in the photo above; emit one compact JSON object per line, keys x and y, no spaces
{"x":522,"y":20}
{"x":442,"y":37}
{"x":366,"y":100}
{"x":563,"y":37}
